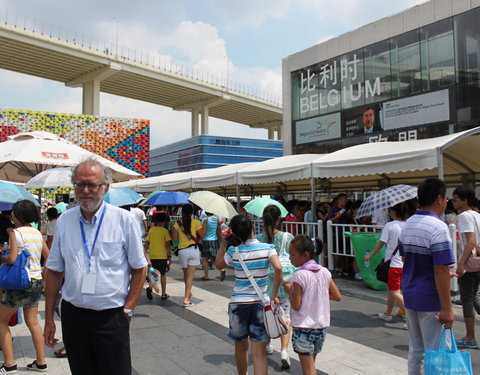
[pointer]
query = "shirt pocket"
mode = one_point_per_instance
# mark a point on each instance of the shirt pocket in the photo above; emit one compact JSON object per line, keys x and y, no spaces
{"x":111,"y":254}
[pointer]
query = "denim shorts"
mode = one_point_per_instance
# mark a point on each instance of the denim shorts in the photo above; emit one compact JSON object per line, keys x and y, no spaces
{"x":308,"y":341}
{"x":246,"y":321}
{"x":27,"y":297}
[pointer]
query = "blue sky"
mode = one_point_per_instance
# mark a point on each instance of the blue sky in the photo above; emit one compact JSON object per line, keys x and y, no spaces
{"x":252,"y":36}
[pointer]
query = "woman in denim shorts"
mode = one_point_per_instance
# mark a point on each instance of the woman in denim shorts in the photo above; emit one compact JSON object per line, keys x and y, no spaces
{"x":24,"y":237}
{"x":245,"y":310}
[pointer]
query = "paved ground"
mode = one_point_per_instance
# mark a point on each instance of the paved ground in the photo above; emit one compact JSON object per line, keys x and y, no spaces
{"x":169,"y":339}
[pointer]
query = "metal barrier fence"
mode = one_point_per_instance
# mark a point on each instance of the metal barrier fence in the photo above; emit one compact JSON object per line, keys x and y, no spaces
{"x":335,"y":243}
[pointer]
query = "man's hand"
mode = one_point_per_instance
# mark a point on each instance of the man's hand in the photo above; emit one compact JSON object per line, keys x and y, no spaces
{"x":460,"y":270}
{"x":446,"y":317}
{"x":49,"y":333}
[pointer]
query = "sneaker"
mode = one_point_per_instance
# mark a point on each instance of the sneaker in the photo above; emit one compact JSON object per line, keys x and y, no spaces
{"x":387,"y":318}
{"x":149,"y":293}
{"x":269,"y":349}
{"x":405,"y":326}
{"x":285,"y":359}
{"x":401,"y":312}
{"x":8,"y":369}
{"x":36,"y":367}
{"x":469,"y":344}
{"x":358,"y":276}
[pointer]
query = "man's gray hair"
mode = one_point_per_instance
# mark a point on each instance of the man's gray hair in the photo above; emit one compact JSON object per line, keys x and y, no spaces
{"x":92,"y":160}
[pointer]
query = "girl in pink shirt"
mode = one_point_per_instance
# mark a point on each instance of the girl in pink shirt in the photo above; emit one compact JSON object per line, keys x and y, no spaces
{"x":310,"y":289}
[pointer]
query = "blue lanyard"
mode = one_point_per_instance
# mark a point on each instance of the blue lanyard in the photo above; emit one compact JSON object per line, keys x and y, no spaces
{"x":87,"y":251}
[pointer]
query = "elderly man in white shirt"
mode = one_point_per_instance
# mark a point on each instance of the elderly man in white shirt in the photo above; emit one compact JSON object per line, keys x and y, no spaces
{"x":97,"y":251}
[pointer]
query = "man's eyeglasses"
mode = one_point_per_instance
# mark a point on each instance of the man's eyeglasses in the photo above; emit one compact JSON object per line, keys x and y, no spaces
{"x":91,"y":187}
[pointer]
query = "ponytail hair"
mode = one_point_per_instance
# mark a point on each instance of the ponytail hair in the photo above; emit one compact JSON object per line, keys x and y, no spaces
{"x":187,"y":211}
{"x":241,"y":227}
{"x":270,"y":216}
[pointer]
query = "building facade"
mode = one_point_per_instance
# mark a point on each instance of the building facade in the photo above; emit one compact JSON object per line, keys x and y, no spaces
{"x":208,"y":151}
{"x":121,"y":140}
{"x":413,"y":75}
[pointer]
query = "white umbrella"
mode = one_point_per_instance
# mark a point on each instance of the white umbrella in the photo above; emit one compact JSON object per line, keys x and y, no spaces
{"x":213,"y":203}
{"x":25,"y":155}
{"x":51,"y":178}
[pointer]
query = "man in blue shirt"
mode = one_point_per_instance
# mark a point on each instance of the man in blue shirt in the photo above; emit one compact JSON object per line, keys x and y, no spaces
{"x":97,"y":252}
{"x":426,"y":247}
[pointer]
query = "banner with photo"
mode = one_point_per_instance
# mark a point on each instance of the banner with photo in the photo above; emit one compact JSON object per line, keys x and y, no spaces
{"x":318,"y":129}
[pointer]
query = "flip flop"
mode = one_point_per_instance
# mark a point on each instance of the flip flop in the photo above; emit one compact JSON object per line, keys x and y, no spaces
{"x":190,"y":304}
{"x":60,"y":353}
{"x":205,"y":278}
{"x":164,"y":296}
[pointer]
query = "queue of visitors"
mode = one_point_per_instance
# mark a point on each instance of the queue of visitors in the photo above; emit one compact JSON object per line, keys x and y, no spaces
{"x":100,"y":285}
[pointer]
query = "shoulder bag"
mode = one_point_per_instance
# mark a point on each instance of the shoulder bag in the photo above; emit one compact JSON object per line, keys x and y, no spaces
{"x":473,"y":261}
{"x":383,"y":267}
{"x":16,"y":276}
{"x":273,"y":316}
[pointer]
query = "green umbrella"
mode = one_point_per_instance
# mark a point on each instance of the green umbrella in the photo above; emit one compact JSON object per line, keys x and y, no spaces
{"x":257,"y":205}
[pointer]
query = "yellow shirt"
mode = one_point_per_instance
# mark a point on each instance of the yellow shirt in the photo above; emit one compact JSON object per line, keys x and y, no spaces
{"x":183,"y":240}
{"x":157,"y":238}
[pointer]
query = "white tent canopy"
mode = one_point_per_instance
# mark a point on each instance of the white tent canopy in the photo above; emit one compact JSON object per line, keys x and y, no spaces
{"x":221,"y":176}
{"x":25,"y":155}
{"x":449,"y":157}
{"x":453,"y":157}
{"x":281,"y":169}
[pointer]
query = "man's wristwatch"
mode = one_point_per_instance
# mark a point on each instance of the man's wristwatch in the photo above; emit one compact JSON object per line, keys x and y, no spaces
{"x":128,"y":312}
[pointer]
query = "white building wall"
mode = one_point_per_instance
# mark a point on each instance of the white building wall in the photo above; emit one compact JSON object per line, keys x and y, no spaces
{"x":410,"y":19}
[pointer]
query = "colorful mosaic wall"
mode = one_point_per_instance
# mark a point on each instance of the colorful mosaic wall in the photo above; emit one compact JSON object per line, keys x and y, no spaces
{"x":124,"y":141}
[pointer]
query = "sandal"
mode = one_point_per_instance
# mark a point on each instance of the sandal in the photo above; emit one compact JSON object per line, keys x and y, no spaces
{"x":189,"y":304}
{"x":205,"y":278}
{"x":60,"y":353}
{"x":164,"y":296}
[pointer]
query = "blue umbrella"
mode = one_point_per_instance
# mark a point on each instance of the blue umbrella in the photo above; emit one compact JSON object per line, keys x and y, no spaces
{"x":168,"y":197}
{"x":10,"y":193}
{"x":121,"y":196}
{"x":61,"y":207}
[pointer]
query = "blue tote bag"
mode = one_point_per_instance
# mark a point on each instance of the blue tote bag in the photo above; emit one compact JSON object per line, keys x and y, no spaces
{"x":443,"y":361}
{"x":15,"y":276}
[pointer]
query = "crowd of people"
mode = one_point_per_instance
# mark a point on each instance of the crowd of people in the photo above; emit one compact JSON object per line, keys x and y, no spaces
{"x":96,"y":257}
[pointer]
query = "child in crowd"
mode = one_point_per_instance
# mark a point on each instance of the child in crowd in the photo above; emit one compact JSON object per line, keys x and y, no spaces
{"x":159,"y":251}
{"x":52,"y":216}
{"x":313,"y":284}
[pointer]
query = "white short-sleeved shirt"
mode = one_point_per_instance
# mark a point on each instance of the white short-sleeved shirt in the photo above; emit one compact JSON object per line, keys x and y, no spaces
{"x":51,"y":225}
{"x":391,"y":232}
{"x":468,"y":222}
{"x":141,"y":217}
{"x":118,"y":249}
{"x":314,"y":313}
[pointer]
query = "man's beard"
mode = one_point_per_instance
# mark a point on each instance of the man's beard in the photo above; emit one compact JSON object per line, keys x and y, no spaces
{"x":90,"y":205}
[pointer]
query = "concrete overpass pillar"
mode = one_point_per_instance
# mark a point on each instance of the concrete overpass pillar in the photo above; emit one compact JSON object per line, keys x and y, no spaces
{"x":195,"y":113}
{"x":204,"y":120}
{"x":91,"y":98}
{"x":279,"y":133}
{"x":271,"y":134}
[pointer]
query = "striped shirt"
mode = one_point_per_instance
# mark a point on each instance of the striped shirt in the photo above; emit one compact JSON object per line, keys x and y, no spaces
{"x":31,"y":239}
{"x":256,"y":256}
{"x":424,"y":243}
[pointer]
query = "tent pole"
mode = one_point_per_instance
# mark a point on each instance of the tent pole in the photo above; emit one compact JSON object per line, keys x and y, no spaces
{"x":440,"y":164}
{"x":238,"y":197}
{"x":313,"y":198}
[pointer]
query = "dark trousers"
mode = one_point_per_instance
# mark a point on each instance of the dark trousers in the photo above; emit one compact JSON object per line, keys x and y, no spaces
{"x":468,"y":285}
{"x":97,"y":342}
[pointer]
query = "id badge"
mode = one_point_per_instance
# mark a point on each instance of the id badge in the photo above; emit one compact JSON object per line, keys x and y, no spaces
{"x":88,"y":283}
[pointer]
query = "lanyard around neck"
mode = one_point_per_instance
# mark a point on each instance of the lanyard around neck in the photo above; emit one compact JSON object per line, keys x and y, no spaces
{"x":85,"y":246}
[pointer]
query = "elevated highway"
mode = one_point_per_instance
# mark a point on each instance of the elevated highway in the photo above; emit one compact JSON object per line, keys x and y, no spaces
{"x":101,"y":69}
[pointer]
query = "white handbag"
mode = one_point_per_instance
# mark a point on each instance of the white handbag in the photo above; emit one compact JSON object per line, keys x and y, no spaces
{"x":273,"y":316}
